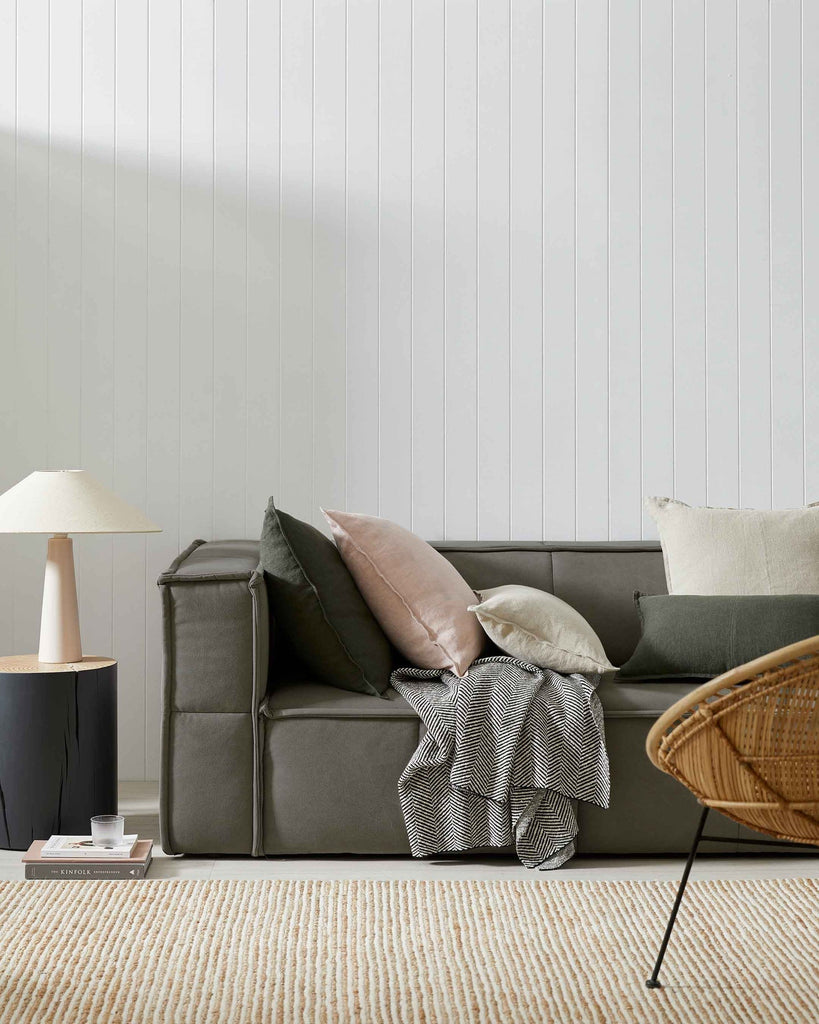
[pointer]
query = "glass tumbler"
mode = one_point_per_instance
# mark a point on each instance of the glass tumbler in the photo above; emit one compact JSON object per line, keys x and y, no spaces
{"x":107,"y":830}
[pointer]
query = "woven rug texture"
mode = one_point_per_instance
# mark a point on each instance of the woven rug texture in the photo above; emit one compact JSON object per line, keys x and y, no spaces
{"x":406,"y":952}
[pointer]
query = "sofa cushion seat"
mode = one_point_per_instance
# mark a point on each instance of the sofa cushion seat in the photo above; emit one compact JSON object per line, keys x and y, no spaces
{"x":322,"y":744}
{"x":306,"y":698}
{"x":628,"y":698}
{"x":331,"y":763}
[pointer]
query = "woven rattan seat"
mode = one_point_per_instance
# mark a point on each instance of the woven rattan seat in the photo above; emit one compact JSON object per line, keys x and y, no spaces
{"x":747,"y":743}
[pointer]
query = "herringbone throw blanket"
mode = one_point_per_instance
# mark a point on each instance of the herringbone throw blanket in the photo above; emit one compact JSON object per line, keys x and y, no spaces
{"x":507,"y":752}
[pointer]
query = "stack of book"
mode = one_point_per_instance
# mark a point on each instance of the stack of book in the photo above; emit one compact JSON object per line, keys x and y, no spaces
{"x":78,"y":857}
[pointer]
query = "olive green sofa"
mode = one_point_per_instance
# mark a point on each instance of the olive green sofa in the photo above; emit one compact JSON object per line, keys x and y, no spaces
{"x":258,"y":758}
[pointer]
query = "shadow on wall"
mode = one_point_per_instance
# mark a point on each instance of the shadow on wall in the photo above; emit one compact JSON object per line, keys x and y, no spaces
{"x":210,"y":317}
{"x":141,"y":318}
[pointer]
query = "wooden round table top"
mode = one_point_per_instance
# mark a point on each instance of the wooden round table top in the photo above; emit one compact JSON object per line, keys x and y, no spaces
{"x":28,"y":663}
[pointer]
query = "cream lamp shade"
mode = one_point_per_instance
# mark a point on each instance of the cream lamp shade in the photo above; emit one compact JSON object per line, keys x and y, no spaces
{"x":59,"y":503}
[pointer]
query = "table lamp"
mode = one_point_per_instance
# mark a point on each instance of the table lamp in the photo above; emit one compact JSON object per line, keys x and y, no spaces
{"x":59,"y":503}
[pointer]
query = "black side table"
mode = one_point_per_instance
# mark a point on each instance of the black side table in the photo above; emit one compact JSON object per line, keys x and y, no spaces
{"x":58,"y":747}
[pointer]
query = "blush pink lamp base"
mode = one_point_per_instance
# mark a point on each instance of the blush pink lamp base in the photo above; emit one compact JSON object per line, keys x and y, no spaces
{"x":60,"y":621}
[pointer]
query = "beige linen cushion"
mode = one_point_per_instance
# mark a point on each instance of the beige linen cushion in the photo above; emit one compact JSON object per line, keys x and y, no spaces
{"x":539,"y":628}
{"x":737,"y":551}
{"x":417,"y":596}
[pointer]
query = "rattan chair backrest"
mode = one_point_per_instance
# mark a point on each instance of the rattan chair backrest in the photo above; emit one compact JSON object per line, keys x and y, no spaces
{"x":747,"y":743}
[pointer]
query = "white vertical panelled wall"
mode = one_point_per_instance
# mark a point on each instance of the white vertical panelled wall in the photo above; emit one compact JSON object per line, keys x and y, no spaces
{"x":491,"y":268}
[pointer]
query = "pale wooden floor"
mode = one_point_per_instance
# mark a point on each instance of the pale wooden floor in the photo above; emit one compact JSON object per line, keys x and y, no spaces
{"x":139,"y":803}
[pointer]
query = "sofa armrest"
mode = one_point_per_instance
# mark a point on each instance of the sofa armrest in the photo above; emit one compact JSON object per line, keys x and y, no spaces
{"x":215,"y":661}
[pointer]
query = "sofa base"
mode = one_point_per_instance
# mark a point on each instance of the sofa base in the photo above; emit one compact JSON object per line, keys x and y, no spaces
{"x":321,"y":744}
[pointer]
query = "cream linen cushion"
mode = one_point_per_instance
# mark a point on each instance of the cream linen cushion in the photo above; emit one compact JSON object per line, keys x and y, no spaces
{"x":539,"y":628}
{"x":419,"y":599}
{"x":737,"y":551}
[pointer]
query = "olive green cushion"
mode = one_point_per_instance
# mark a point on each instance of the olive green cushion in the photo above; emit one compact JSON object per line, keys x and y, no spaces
{"x":314,"y":599}
{"x":687,"y":636}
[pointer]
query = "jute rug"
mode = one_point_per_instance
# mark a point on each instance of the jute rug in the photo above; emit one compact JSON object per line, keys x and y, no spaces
{"x":405,"y":952}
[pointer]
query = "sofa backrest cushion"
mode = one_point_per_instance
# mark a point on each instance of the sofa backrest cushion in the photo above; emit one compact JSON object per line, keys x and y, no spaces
{"x":598,"y":579}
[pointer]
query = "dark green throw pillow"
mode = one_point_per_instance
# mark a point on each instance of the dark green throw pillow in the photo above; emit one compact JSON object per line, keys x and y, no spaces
{"x":687,"y":636}
{"x":314,"y":599}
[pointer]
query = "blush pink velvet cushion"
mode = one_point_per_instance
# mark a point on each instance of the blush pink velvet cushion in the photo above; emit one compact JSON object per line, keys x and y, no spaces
{"x":419,"y":599}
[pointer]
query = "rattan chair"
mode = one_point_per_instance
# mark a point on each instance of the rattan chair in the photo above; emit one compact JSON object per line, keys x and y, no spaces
{"x":747,"y":745}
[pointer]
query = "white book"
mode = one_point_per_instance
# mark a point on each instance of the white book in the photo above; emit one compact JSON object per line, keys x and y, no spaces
{"x":82,"y":847}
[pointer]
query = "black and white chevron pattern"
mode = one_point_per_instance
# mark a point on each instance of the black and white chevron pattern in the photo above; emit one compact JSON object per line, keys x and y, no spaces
{"x":508,"y":751}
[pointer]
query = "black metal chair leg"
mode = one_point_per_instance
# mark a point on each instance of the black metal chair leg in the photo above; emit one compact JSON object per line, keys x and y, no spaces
{"x":653,"y":981}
